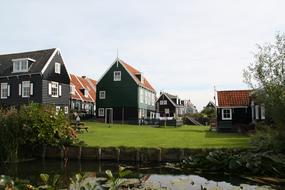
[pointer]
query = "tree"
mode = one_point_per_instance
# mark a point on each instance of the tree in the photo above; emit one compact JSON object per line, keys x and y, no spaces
{"x":266,"y":75}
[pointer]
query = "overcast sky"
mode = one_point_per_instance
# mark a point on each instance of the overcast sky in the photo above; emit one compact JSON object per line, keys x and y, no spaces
{"x":184,"y":47}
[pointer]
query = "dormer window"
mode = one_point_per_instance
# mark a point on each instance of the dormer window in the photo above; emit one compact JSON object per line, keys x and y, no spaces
{"x":86,"y":93}
{"x":21,"y":65}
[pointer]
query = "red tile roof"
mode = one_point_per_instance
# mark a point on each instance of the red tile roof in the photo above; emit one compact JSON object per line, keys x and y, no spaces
{"x":232,"y":98}
{"x":83,"y":83}
{"x":134,"y":71}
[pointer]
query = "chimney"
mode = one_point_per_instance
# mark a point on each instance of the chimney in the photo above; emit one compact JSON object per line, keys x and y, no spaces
{"x":84,"y":77}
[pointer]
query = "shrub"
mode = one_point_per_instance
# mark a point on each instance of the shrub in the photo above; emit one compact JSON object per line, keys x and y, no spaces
{"x":32,"y":124}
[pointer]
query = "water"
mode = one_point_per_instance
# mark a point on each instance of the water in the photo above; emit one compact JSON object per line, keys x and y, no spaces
{"x":159,"y":176}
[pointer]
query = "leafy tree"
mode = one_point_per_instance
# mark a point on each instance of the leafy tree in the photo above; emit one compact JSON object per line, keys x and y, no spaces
{"x":267,"y":76}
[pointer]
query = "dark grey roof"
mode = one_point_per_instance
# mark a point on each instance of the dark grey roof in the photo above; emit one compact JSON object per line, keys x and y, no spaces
{"x":171,"y":96}
{"x":41,"y":57}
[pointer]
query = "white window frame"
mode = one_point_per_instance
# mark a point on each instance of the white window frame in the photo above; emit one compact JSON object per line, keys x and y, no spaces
{"x":117,"y":75}
{"x":86,"y":93}
{"x":256,"y":107}
{"x":101,"y":112}
{"x":26,"y":84}
{"x":167,"y":111}
{"x":20,"y":64}
{"x":4,"y":86}
{"x":223,"y":114}
{"x":72,"y":89}
{"x":102,"y":95}
{"x":57,"y":88}
{"x":57,"y":109}
{"x":262,"y":111}
{"x":66,"y":109}
{"x":141,"y":95}
{"x":164,"y":102}
{"x":57,"y":67}
{"x":161,"y":102}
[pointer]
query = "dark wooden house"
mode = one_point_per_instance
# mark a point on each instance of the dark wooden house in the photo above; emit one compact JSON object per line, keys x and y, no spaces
{"x":237,"y":109}
{"x":36,"y":76}
{"x":169,"y":106}
{"x":83,"y":95}
{"x":124,"y":95}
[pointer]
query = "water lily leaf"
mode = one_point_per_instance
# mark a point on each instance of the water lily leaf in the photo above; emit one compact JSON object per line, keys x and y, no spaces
{"x":44,"y":178}
{"x":109,"y":174}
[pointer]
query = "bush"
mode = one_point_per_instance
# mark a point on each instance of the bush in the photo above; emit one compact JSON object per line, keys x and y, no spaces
{"x":32,"y":124}
{"x":267,"y":138}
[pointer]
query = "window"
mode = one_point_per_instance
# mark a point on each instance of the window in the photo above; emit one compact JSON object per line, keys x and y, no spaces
{"x":21,"y":65}
{"x":166,"y":111}
{"x":26,"y":89}
{"x":102,"y":95}
{"x":165,"y":102}
{"x":226,"y":114}
{"x":57,"y":68}
{"x":256,"y":112}
{"x":54,"y":89}
{"x":72,"y":89}
{"x":4,"y":90}
{"x":262,"y":111}
{"x":161,"y":102}
{"x":66,"y":109}
{"x":86,"y":93}
{"x":117,"y":75}
{"x":57,"y":109}
{"x":141,"y":95}
{"x":101,"y":112}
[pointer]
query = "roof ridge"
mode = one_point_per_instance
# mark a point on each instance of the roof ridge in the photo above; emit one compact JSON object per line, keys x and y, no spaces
{"x":28,"y":51}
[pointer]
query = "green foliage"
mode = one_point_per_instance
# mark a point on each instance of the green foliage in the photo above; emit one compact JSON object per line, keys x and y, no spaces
{"x":32,"y":124}
{"x":114,"y":183}
{"x":238,"y":162}
{"x":267,"y":76}
{"x":79,"y":182}
{"x":266,"y":139}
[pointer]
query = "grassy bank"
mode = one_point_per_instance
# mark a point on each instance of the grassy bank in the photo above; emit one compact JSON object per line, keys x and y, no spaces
{"x":144,"y":136}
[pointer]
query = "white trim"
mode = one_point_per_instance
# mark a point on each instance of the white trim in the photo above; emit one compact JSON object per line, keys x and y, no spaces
{"x":20,"y":59}
{"x":27,"y":82}
{"x":134,"y":77}
{"x":99,"y":114}
{"x":7,"y":88}
{"x":101,"y":97}
{"x":119,"y":78}
{"x":31,"y":88}
{"x":55,"y":83}
{"x":167,"y":98}
{"x":227,"y":118}
{"x":49,"y":61}
{"x":262,"y":111}
{"x":256,"y":108}
{"x":57,"y":68}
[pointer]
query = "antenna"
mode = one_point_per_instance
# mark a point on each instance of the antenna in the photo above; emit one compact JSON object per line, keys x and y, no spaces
{"x":117,"y":57}
{"x":215,"y":94}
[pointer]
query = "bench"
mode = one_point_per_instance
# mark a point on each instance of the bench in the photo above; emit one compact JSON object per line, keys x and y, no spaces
{"x":78,"y":127}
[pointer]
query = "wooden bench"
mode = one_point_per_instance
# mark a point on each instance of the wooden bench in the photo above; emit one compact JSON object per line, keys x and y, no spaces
{"x":80,"y":126}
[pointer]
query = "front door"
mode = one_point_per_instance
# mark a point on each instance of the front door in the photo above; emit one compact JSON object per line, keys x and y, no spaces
{"x":109,"y":115}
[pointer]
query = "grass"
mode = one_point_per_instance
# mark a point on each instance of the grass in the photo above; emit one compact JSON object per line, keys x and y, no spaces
{"x":145,"y":136}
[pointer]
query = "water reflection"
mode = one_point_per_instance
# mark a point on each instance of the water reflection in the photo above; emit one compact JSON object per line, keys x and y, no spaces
{"x":160,"y":175}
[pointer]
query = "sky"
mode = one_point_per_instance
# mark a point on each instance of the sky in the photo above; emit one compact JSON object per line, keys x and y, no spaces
{"x":183,"y":47}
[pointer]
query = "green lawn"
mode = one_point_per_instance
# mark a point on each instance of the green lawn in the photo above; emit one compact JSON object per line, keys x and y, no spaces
{"x":137,"y":136}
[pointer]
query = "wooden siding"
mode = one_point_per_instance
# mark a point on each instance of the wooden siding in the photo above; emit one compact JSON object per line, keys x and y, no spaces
{"x":63,"y":100}
{"x":50,"y":74}
{"x":14,"y":99}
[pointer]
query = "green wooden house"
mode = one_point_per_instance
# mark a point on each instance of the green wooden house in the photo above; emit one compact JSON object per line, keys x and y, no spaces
{"x":124,"y":95}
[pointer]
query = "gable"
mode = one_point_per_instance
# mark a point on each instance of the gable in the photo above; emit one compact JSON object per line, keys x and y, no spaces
{"x":48,"y":71}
